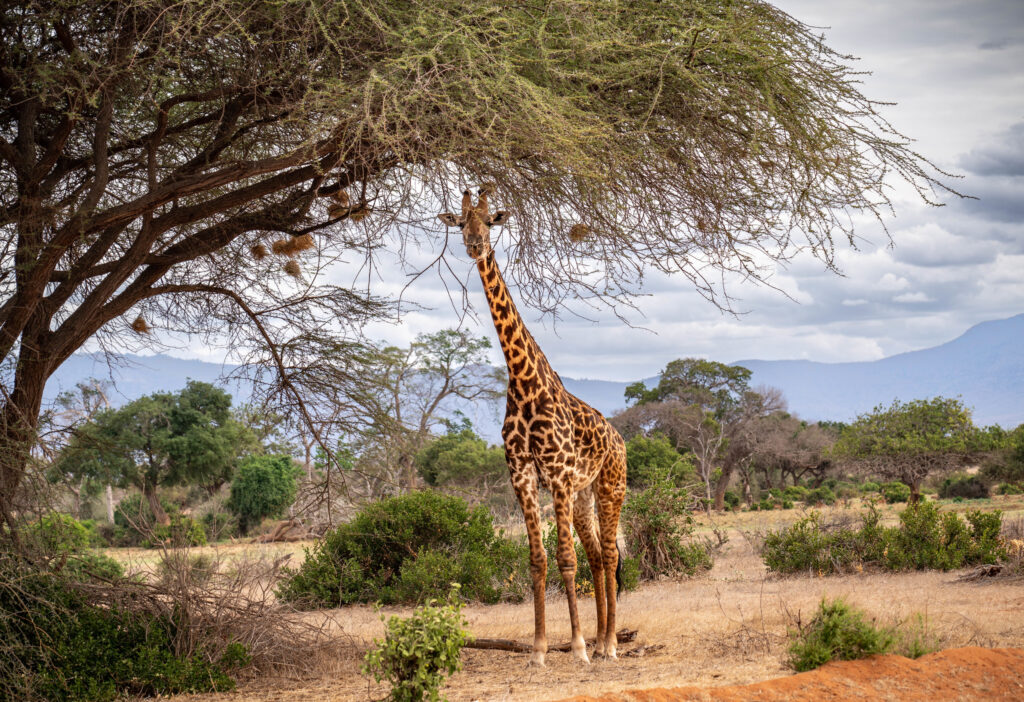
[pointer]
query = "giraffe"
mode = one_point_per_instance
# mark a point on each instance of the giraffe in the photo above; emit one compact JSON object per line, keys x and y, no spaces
{"x":556,"y":441}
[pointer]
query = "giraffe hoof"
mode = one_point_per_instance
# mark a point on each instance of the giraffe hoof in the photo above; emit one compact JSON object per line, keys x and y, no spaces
{"x":579,"y":651}
{"x":536,"y":660}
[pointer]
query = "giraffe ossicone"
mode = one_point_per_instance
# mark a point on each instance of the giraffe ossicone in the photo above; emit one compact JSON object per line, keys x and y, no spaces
{"x":556,"y":441}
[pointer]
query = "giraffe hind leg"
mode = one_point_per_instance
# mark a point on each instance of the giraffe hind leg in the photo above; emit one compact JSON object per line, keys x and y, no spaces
{"x":585,"y":522}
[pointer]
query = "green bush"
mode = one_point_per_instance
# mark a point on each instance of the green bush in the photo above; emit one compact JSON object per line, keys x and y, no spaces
{"x":925,"y":540}
{"x":59,"y":533}
{"x":797,"y":493}
{"x":419,"y":652}
{"x":732,"y":499}
{"x":60,"y":646}
{"x":650,"y":458}
{"x":894,"y":492}
{"x":182,"y":531}
{"x":656,"y":521}
{"x":135,"y":525}
{"x":87,"y":565}
{"x":970,"y":487}
{"x":820,"y":496}
{"x":374,"y":558}
{"x":1009,"y":489}
{"x":263,"y":487}
{"x":220,"y":525}
{"x":869,"y":486}
{"x":837,"y":632}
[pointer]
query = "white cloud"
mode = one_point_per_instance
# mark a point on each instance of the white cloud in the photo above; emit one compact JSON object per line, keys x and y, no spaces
{"x":913,"y":297}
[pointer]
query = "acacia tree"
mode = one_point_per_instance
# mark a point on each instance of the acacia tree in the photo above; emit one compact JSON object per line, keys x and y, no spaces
{"x":707,"y":408}
{"x":409,"y":393}
{"x":907,"y":441}
{"x":159,"y":440}
{"x":150,"y":150}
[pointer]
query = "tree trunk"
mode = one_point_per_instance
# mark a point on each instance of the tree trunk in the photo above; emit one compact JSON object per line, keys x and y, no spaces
{"x":149,"y":491}
{"x":19,"y":420}
{"x":720,"y":486}
{"x":915,"y":492}
{"x":110,"y":504}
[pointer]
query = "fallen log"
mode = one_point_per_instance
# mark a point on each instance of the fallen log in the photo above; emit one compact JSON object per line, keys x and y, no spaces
{"x":622,"y":636}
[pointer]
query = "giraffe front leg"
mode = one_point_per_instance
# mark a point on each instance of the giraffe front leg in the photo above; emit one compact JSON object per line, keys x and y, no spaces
{"x":566,"y":558}
{"x":524,"y":483}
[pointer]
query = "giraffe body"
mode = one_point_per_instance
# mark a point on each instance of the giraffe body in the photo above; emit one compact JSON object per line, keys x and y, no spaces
{"x":553,"y":440}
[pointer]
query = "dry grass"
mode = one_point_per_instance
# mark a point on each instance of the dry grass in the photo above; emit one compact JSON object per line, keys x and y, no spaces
{"x":726,"y":627}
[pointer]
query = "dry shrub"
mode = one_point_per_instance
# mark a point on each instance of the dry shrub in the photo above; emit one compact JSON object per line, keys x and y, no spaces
{"x":222,"y":600}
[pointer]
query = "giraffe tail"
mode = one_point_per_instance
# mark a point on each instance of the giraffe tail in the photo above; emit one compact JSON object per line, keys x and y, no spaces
{"x":618,"y":574}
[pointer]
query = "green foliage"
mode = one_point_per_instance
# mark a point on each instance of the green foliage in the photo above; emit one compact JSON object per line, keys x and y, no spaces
{"x":715,"y":387}
{"x":894,"y":492}
{"x":970,"y":487}
{"x":1006,"y":464}
{"x":647,"y":457}
{"x":60,"y":646}
{"x":820,"y":496}
{"x":908,"y":440}
{"x":1009,"y":489}
{"x":419,"y":652}
{"x":925,"y":540}
{"x":797,"y":493}
{"x":189,"y":437}
{"x":377,"y":556}
{"x":869,"y":486}
{"x":837,"y":632}
{"x":264,"y":487}
{"x":60,"y":533}
{"x":182,"y":531}
{"x":656,"y":522}
{"x":732,"y":499}
{"x":460,"y":458}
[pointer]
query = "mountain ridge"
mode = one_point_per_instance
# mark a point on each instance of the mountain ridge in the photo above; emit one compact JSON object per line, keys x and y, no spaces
{"x":984,"y":366}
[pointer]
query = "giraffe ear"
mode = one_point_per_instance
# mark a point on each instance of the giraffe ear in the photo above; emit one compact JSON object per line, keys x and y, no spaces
{"x":499,"y":218}
{"x":449,"y":219}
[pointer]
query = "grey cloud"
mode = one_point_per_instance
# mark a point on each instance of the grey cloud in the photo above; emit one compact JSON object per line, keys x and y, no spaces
{"x":1002,"y":156}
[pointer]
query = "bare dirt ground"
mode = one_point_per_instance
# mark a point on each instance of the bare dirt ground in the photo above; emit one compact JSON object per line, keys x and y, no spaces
{"x":725,"y":628}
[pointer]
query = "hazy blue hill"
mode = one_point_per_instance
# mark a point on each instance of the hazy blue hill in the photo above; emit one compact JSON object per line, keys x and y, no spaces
{"x":984,"y":366}
{"x":136,"y":376}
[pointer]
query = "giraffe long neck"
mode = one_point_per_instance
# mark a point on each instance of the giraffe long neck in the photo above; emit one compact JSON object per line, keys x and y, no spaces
{"x":526,"y":362}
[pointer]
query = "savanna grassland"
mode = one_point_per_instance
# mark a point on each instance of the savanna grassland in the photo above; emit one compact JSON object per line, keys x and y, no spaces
{"x":726,"y":627}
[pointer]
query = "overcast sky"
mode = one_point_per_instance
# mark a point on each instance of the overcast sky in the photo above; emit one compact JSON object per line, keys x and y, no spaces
{"x":956,"y":72}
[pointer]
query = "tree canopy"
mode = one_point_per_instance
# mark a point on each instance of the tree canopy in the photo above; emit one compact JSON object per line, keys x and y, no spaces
{"x":909,"y":440}
{"x":151,"y":152}
{"x":161,"y":439}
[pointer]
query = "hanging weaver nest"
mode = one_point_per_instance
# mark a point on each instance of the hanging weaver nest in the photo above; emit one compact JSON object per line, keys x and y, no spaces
{"x":359,"y":213}
{"x":579,"y":232}
{"x":259,"y":251}
{"x":139,"y":325}
{"x":292,"y":245}
{"x":292,"y":268}
{"x":337,"y":211}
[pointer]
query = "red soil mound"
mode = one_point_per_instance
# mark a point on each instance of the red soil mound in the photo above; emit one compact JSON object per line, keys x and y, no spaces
{"x":957,"y":674}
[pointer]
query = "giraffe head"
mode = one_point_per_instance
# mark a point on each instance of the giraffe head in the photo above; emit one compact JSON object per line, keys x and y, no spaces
{"x":476,"y":223}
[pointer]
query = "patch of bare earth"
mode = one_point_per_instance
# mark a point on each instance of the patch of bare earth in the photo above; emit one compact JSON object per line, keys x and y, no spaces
{"x":725,"y":628}
{"x":962,"y":674}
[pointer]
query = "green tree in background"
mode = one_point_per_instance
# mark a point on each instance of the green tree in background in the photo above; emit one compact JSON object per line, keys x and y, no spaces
{"x":162,"y":439}
{"x":648,"y":457}
{"x":462,"y":458}
{"x":264,"y":487}
{"x":907,"y":441}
